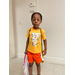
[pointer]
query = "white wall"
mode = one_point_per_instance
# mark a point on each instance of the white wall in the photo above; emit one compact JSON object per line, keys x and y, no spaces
{"x":53,"y":12}
{"x":11,"y":33}
{"x":21,"y":12}
{"x":54,"y":23}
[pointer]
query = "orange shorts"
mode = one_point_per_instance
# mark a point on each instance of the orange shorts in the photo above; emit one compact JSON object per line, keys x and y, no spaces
{"x":34,"y":57}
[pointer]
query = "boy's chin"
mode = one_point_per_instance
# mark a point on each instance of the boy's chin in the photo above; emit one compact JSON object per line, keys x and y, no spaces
{"x":36,"y":27}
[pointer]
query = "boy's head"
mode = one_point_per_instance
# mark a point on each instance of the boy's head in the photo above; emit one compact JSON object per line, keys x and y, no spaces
{"x":36,"y":19}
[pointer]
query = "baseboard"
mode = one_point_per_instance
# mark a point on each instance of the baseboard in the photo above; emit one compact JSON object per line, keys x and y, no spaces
{"x":54,"y":60}
{"x":47,"y":59}
{"x":20,"y":55}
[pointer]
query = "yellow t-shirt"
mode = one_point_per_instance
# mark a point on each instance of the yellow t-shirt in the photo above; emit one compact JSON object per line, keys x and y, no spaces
{"x":34,"y":36}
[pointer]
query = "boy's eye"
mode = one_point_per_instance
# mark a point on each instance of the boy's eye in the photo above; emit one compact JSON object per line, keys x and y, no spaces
{"x":37,"y":19}
{"x":33,"y":19}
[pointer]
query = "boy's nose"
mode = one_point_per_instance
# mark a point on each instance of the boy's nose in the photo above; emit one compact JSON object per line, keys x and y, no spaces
{"x":35,"y":20}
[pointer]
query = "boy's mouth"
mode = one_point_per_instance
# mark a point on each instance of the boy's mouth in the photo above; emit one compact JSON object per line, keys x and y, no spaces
{"x":35,"y":24}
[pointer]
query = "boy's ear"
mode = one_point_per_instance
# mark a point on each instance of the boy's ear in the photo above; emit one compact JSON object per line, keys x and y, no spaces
{"x":41,"y":21}
{"x":31,"y":20}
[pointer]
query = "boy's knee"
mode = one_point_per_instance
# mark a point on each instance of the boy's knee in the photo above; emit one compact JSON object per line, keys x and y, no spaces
{"x":30,"y":64}
{"x":38,"y":64}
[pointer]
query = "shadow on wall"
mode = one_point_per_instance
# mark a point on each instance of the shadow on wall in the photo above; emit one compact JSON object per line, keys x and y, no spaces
{"x":11,"y":51}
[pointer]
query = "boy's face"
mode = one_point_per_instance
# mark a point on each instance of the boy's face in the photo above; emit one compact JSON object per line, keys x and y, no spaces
{"x":36,"y":20}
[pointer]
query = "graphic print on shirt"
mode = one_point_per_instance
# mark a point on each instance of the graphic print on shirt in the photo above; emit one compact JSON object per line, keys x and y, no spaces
{"x":35,"y":38}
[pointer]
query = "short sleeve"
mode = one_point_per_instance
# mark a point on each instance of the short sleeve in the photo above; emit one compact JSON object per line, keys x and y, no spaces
{"x":43,"y":34}
{"x":27,"y":33}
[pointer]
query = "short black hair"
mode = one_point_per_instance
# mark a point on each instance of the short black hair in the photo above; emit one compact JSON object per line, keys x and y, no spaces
{"x":36,"y":13}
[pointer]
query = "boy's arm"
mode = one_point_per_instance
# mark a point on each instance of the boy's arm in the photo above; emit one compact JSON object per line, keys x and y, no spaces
{"x":45,"y":47}
{"x":26,"y":45}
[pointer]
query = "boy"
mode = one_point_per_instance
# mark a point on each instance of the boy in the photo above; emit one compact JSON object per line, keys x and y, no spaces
{"x":33,"y":44}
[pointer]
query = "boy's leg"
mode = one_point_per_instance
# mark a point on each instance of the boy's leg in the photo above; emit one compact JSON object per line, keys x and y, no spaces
{"x":38,"y":69}
{"x":31,"y":61}
{"x":30,"y":68}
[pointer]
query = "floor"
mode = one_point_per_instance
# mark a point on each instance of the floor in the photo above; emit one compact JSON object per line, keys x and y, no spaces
{"x":16,"y":68}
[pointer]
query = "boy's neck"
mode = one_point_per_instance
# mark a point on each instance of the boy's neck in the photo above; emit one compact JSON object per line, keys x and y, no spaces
{"x":36,"y":28}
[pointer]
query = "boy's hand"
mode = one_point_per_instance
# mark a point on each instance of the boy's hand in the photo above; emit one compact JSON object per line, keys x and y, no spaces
{"x":25,"y":52}
{"x":44,"y":52}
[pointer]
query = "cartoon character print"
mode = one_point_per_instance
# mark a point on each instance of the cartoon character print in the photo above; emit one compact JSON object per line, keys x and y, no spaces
{"x":35,"y":38}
